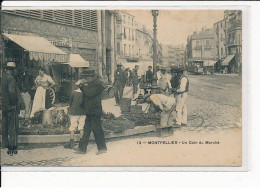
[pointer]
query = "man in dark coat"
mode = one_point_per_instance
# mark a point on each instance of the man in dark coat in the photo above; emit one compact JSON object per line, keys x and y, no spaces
{"x":135,"y":78}
{"x":12,"y":103}
{"x":149,"y":76}
{"x":92,"y":90}
{"x":119,"y":83}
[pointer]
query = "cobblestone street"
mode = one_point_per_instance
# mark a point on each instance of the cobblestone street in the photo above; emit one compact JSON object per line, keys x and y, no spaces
{"x":214,"y":114}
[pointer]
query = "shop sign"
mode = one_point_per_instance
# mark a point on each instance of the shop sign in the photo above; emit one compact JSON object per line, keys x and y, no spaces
{"x":19,"y":33}
{"x":62,"y":43}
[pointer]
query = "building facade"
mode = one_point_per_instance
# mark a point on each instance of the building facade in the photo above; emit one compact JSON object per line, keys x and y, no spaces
{"x":126,"y":36}
{"x":228,"y":35}
{"x":89,"y":33}
{"x":173,"y":55}
{"x":201,"y":49}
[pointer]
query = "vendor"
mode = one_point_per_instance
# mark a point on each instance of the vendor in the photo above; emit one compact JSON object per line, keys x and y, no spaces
{"x":163,"y":103}
{"x":42,"y":98}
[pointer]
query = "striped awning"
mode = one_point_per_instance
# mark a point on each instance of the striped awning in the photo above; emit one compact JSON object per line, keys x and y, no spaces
{"x":39,"y":48}
{"x":227,"y":60}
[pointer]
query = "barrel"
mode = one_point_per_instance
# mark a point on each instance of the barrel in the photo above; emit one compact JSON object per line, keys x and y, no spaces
{"x":125,"y":105}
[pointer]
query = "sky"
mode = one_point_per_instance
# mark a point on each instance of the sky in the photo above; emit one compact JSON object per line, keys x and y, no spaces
{"x":174,"y":26}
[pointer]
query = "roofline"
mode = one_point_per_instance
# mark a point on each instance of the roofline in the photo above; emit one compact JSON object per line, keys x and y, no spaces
{"x":128,"y":13}
{"x":219,"y":21}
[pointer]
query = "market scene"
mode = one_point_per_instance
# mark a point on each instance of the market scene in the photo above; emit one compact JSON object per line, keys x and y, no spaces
{"x":80,"y":87}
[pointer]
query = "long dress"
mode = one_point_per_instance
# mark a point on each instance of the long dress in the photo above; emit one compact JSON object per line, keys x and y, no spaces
{"x":42,"y":97}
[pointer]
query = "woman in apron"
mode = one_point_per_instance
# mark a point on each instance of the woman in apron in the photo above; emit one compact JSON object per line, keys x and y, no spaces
{"x":42,"y":98}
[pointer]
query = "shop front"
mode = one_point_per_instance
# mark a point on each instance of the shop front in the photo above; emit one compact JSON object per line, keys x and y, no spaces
{"x":30,"y":53}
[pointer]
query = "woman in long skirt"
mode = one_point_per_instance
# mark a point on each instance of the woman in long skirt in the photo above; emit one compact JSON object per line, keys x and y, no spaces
{"x":42,"y":98}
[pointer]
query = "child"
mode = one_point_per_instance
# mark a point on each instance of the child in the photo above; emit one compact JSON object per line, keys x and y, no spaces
{"x":77,"y":114}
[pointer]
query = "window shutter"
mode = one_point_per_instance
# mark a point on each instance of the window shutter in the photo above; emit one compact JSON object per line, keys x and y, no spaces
{"x":68,"y":17}
{"x":93,"y":20}
{"x":22,"y":12}
{"x":78,"y":18}
{"x":86,"y":19}
{"x":48,"y":15}
{"x":59,"y":16}
{"x":35,"y":14}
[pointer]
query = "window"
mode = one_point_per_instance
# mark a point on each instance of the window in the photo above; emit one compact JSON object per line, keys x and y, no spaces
{"x":133,"y":36}
{"x":133,"y":50}
{"x":125,"y":33}
{"x":221,"y":38}
{"x":129,"y":50}
{"x":197,"y":43}
{"x":129,"y":34}
{"x":221,"y":51}
{"x":123,"y":19}
{"x":124,"y":49}
{"x":118,"y":48}
{"x":129,"y":20}
{"x":132,"y":21}
{"x":221,"y":25}
{"x":207,"y":43}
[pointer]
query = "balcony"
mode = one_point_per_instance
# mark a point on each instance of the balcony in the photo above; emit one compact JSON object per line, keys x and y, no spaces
{"x":198,"y":48}
{"x":235,"y":24}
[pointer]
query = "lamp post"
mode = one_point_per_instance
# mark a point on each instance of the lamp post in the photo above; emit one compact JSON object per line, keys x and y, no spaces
{"x":154,"y":81}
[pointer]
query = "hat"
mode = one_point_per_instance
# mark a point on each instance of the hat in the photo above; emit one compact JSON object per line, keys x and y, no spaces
{"x":11,"y":64}
{"x":88,"y":72}
{"x":119,"y":64}
{"x":177,"y":69}
{"x":163,"y":68}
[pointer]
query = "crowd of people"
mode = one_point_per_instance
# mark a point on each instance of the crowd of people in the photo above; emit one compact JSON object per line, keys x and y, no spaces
{"x":85,"y":105}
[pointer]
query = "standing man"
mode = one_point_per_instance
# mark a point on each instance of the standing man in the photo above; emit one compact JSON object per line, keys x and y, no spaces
{"x":92,"y":89}
{"x":119,"y":83}
{"x":163,"y":82}
{"x":149,"y":76}
{"x":12,"y":103}
{"x":135,"y":79}
{"x":180,"y":87}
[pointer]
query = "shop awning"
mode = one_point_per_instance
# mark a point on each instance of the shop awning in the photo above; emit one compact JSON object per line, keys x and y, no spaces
{"x":39,"y":48}
{"x":77,"y":61}
{"x":209,"y":63}
{"x":227,"y":60}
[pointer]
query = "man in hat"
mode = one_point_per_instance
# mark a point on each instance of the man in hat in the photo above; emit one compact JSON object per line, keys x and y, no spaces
{"x":92,"y":89}
{"x":135,"y":79}
{"x":119,"y":83}
{"x":163,"y":103}
{"x":163,"y":81}
{"x":12,"y":103}
{"x":180,"y":87}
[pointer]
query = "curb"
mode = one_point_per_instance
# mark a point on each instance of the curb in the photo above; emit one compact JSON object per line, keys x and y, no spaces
{"x":65,"y":138}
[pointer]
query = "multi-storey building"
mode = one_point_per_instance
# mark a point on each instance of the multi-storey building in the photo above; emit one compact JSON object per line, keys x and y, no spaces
{"x":201,"y":48}
{"x":173,"y":55}
{"x":126,"y":35}
{"x":233,"y":40}
{"x":228,"y":35}
{"x":89,"y":33}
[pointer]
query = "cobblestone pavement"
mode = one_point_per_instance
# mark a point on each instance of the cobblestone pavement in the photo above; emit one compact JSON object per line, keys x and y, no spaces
{"x":214,"y":113}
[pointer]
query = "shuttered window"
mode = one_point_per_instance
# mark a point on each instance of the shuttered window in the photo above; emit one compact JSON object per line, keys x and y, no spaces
{"x":86,"y":19}
{"x":48,"y":15}
{"x":59,"y":16}
{"x":35,"y":14}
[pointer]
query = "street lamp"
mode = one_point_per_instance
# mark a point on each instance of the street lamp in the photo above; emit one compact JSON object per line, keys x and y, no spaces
{"x":155,"y":13}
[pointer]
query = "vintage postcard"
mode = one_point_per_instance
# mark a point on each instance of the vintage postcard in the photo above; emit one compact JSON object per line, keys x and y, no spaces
{"x":122,"y":88}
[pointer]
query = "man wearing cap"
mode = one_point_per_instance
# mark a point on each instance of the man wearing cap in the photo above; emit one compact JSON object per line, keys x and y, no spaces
{"x":163,"y":103}
{"x":163,"y":81}
{"x":180,"y":87}
{"x":12,"y":103}
{"x":92,"y":89}
{"x":119,"y":83}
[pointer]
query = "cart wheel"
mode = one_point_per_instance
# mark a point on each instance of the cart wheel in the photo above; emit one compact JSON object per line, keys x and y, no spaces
{"x":15,"y":152}
{"x":52,"y":95}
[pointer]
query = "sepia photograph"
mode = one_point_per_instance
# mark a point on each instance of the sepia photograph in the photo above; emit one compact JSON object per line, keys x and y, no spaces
{"x":121,"y":88}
